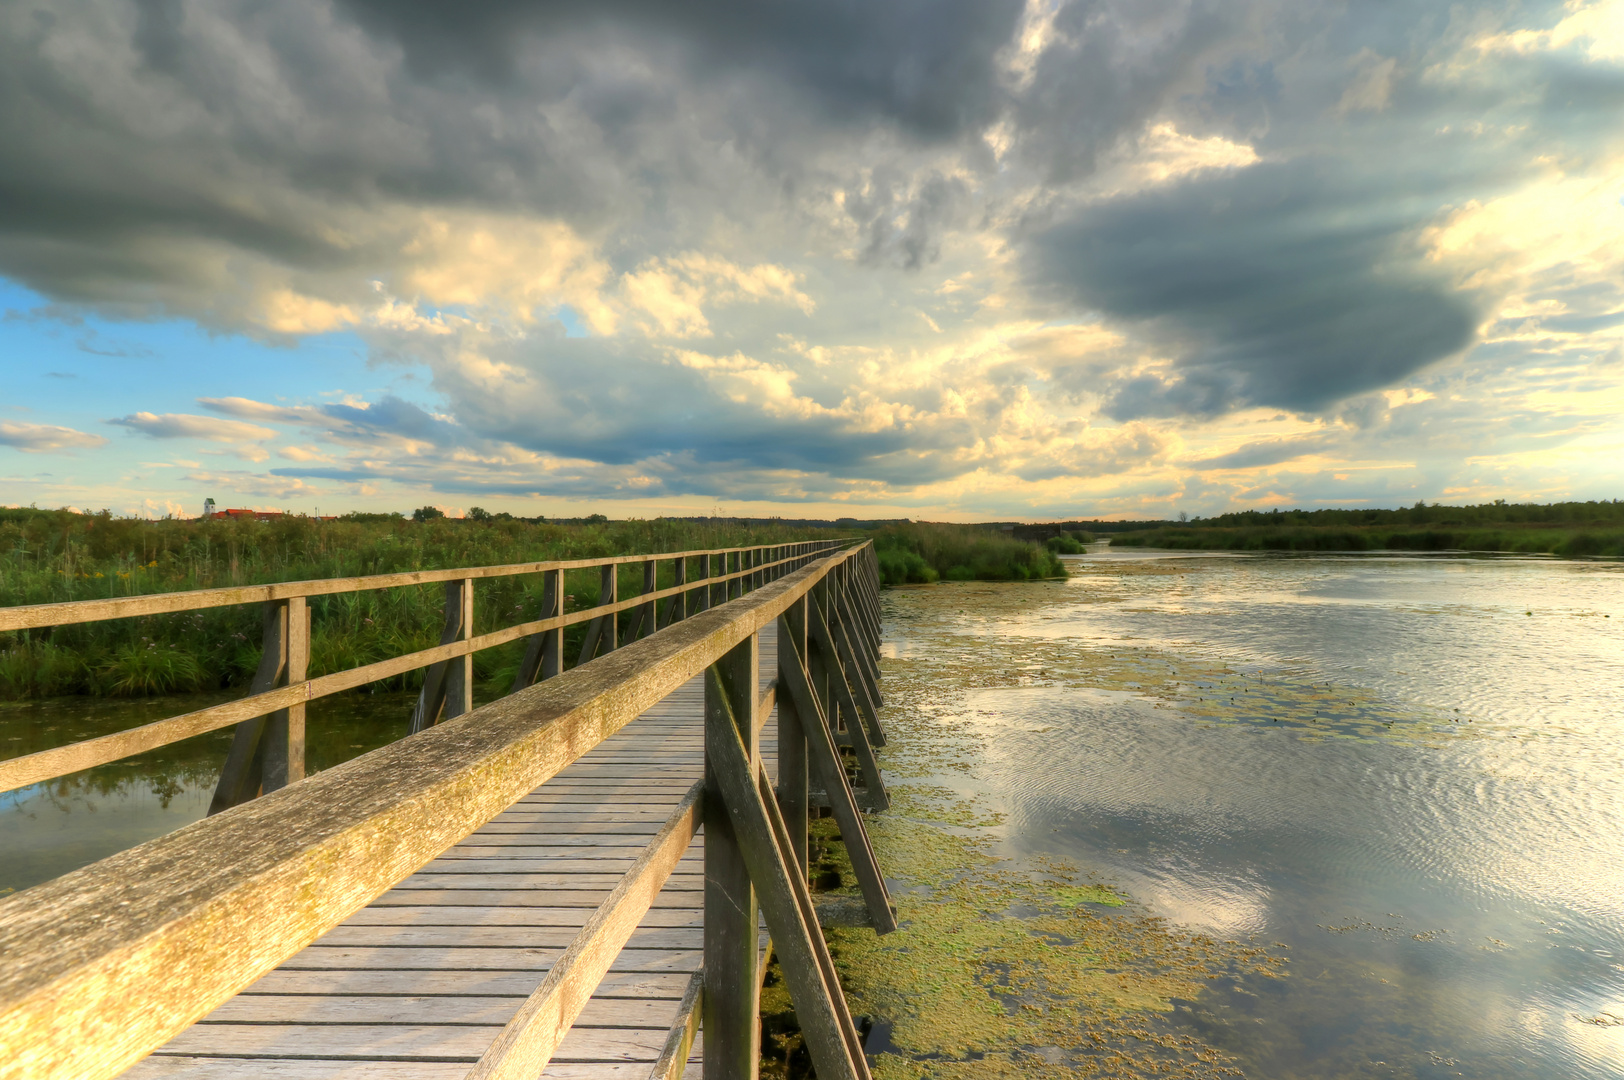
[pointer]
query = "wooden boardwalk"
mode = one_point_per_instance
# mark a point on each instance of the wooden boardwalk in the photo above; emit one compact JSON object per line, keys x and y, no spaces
{"x":416,"y":985}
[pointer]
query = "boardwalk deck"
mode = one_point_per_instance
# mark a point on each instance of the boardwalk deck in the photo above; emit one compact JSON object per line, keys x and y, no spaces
{"x":417,"y":984}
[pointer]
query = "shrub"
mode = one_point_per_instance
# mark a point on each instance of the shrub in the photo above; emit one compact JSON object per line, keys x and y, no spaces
{"x":901,"y":567}
{"x":961,"y":553}
{"x":151,"y":669}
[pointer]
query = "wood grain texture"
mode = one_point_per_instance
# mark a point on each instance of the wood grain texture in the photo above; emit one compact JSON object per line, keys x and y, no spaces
{"x":529,"y":1040}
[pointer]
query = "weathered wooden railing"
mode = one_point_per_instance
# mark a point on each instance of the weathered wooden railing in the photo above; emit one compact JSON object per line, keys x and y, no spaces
{"x":267,"y":750}
{"x":107,"y":963}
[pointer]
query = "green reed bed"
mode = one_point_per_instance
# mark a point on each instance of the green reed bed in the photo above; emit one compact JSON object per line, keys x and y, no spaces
{"x":53,"y":556}
{"x":1568,"y":542}
{"x":922,"y":552}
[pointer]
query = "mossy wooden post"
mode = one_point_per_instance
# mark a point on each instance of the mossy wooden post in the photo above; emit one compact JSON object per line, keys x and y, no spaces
{"x":792,"y":779}
{"x":243,"y":771}
{"x":285,"y":728}
{"x":705,"y":590}
{"x":731,"y":1025}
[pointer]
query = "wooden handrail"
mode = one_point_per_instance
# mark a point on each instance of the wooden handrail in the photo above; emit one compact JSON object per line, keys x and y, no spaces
{"x":30,"y":616}
{"x":106,"y":963}
{"x":60,"y":761}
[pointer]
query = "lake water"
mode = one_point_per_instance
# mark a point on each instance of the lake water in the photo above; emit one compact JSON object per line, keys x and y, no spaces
{"x":48,"y":829}
{"x":1408,"y":772}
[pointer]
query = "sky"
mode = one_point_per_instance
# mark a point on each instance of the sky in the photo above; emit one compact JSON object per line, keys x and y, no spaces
{"x":936,"y":259}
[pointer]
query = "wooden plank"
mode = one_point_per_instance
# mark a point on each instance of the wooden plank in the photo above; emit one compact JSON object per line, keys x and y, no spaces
{"x":666,"y":985}
{"x":456,"y":1042}
{"x":510,"y":897}
{"x":205,"y":1068}
{"x":540,"y":1027}
{"x":528,"y":915}
{"x":321,"y":958}
{"x":651,"y":1013}
{"x":516,"y":936}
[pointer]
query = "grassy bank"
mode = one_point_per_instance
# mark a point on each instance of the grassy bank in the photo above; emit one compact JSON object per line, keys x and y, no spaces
{"x":1573,"y":542}
{"x":52,"y":556}
{"x":1570,"y":529}
{"x":922,"y":552}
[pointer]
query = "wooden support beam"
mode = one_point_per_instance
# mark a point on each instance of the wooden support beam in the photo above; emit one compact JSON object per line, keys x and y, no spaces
{"x":851,"y":664}
{"x":241,"y":774}
{"x":826,"y":765}
{"x":523,"y":1048}
{"x":864,"y":647}
{"x":842,"y":695}
{"x":676,"y":607}
{"x":544,"y":651}
{"x":792,"y":754}
{"x":759,"y":838}
{"x":732,"y":1001}
{"x":431,"y":698}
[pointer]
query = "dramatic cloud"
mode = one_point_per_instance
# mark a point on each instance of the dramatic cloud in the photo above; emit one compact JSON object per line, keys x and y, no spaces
{"x":39,"y":438}
{"x":933,"y":256}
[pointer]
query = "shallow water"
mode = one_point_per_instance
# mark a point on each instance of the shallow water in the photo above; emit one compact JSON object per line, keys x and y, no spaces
{"x":1408,"y":771}
{"x":51,"y":828}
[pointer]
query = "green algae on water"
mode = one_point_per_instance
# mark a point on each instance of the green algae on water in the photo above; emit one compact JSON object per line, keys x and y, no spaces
{"x":1006,"y":969}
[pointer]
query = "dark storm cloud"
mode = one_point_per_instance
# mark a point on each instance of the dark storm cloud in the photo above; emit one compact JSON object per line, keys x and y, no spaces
{"x":1284,"y":285}
{"x":926,"y":64}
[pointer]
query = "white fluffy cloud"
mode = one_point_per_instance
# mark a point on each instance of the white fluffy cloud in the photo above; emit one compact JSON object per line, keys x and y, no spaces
{"x":40,"y":438}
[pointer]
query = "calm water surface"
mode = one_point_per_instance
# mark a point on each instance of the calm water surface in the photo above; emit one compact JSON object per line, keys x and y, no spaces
{"x":1410,"y":771}
{"x":51,"y":828}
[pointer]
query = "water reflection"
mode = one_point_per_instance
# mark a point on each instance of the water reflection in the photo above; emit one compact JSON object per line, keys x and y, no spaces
{"x":74,"y":820}
{"x":1410,"y":771}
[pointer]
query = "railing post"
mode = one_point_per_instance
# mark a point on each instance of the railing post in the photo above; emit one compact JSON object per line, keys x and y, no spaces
{"x":705,"y":590}
{"x":731,"y":1024}
{"x":459,"y":683}
{"x":285,"y":728}
{"x":677,"y":607}
{"x":646,"y":614}
{"x":608,"y":593}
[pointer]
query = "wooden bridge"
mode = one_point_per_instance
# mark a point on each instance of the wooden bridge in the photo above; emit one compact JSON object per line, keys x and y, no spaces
{"x":577,"y":880}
